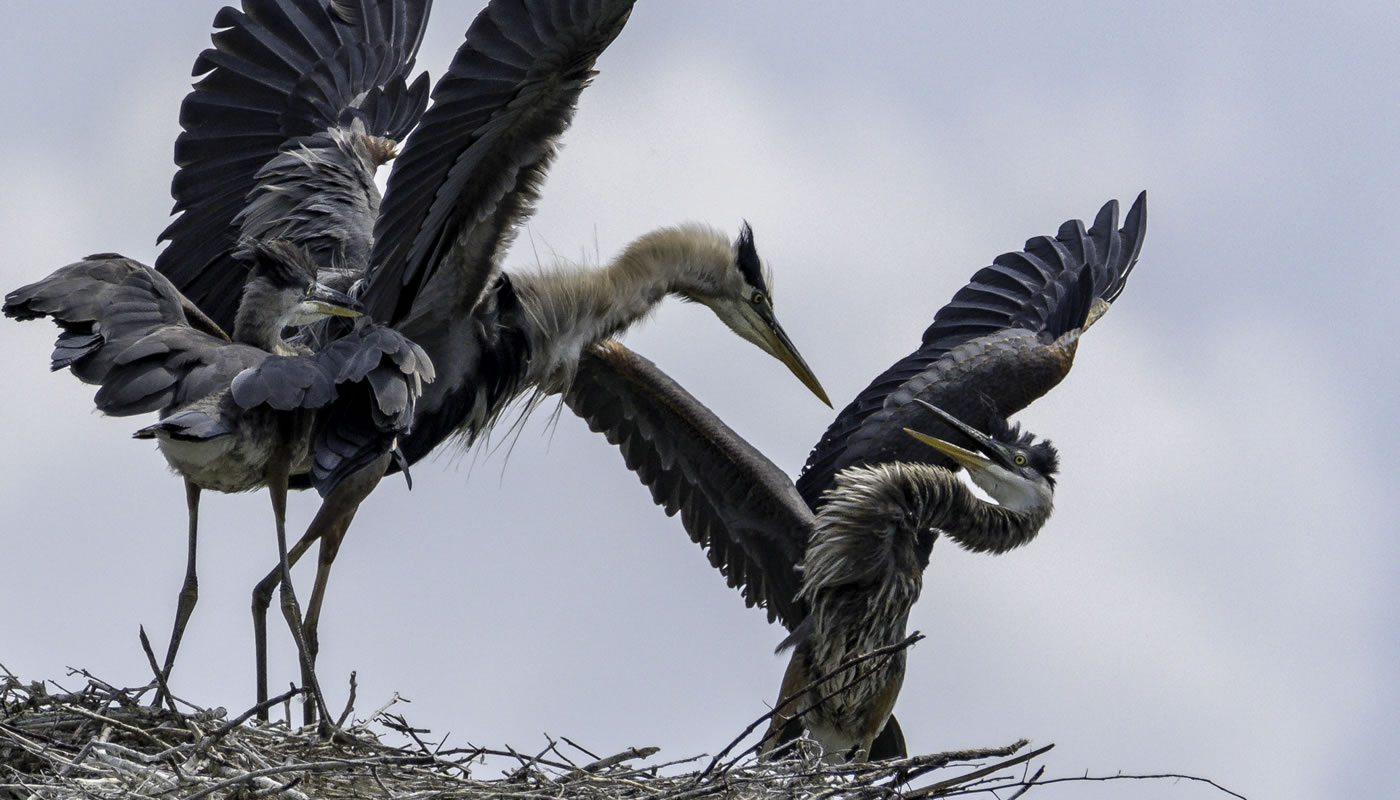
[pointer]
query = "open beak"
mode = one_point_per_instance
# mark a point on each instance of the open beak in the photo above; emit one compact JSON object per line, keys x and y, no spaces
{"x":322,"y":299}
{"x":990,"y":456}
{"x":775,"y":340}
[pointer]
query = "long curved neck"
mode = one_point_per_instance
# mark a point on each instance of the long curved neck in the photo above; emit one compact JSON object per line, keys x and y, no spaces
{"x":878,"y":518}
{"x":259,"y":320}
{"x":574,"y":308}
{"x":977,"y":525}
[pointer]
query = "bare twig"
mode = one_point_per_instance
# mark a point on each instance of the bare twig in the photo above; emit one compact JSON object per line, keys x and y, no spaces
{"x":99,"y":742}
{"x":1155,"y":777}
{"x":879,"y":652}
{"x":1028,"y":783}
{"x":349,"y":702}
{"x":611,"y":761}
{"x":247,"y":715}
{"x":313,"y":766}
{"x":941,"y":787}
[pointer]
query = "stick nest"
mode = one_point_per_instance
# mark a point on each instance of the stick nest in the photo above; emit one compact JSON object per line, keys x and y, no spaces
{"x":102,"y":742}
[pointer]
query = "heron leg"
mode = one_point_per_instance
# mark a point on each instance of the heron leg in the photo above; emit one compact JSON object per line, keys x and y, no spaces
{"x":786,"y":723}
{"x":277,"y":488}
{"x":330,"y":524}
{"x":189,"y":592}
{"x":262,"y":600}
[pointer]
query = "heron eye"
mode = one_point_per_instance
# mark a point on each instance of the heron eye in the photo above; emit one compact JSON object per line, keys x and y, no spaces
{"x":1020,"y":459}
{"x":759,"y":299}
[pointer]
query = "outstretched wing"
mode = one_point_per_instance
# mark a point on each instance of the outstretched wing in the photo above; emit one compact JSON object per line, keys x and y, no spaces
{"x":124,"y":327}
{"x":290,"y":93}
{"x":1006,"y":338}
{"x":101,"y":305}
{"x":471,"y":170}
{"x":733,"y":501}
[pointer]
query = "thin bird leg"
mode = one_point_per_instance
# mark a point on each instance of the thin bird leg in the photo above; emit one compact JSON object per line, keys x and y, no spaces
{"x":262,"y":599}
{"x":189,"y":592}
{"x":336,"y":514}
{"x":277,"y":474}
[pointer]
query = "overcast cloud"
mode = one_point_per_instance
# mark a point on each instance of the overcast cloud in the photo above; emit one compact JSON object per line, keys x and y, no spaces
{"x":1215,"y":592}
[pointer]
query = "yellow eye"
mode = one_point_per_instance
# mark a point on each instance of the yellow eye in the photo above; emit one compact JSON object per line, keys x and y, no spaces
{"x":758,"y":298}
{"x":1020,"y":460}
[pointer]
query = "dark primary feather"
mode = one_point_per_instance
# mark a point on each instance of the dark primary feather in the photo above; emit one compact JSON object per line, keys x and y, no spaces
{"x":470,"y":172}
{"x":280,"y":74}
{"x":1006,"y":338}
{"x":733,"y":501}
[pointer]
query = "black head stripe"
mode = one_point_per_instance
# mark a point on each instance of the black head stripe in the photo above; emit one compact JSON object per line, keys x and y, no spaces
{"x":285,"y":264}
{"x":747,"y":256}
{"x":1045,"y":459}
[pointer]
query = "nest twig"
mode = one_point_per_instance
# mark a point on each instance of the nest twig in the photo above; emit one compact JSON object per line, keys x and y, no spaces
{"x":100,"y":741}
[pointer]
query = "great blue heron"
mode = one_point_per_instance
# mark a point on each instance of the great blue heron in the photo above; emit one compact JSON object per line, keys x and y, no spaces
{"x":301,"y":102}
{"x":236,"y":413}
{"x":863,"y":570}
{"x":1007,"y":337}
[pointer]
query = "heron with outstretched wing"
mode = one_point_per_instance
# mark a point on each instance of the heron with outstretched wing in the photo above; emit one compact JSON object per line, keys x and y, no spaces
{"x":237,"y":412}
{"x":838,"y":557}
{"x":298,"y":104}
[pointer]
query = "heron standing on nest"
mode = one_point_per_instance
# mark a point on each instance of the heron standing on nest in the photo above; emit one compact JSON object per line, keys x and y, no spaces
{"x":237,"y":413}
{"x":863,"y":571}
{"x":836,"y":558}
{"x":302,"y":100}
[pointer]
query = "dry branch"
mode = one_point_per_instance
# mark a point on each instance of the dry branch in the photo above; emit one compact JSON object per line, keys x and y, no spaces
{"x":100,"y":742}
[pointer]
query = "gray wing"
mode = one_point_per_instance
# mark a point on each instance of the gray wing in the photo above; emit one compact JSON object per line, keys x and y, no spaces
{"x":471,"y":170}
{"x":392,"y":365}
{"x":733,"y":501}
{"x":101,"y":305}
{"x":367,"y":381}
{"x":1006,"y":338}
{"x":170,"y":367}
{"x":281,"y":136}
{"x":124,"y":327}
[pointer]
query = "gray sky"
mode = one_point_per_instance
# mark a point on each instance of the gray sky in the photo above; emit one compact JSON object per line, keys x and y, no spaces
{"x":1214,"y":594}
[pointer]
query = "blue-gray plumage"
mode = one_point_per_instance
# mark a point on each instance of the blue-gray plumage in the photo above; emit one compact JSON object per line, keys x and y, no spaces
{"x":237,"y":413}
{"x":857,"y":532}
{"x":300,"y":102}
{"x":294,"y":157}
{"x":842,"y":577}
{"x":863,"y":572}
{"x":1006,"y":338}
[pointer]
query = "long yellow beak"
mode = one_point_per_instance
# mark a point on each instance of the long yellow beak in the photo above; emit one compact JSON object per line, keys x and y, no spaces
{"x":332,"y":303}
{"x":771,"y":337}
{"x":968,"y":459}
{"x":782,"y":349}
